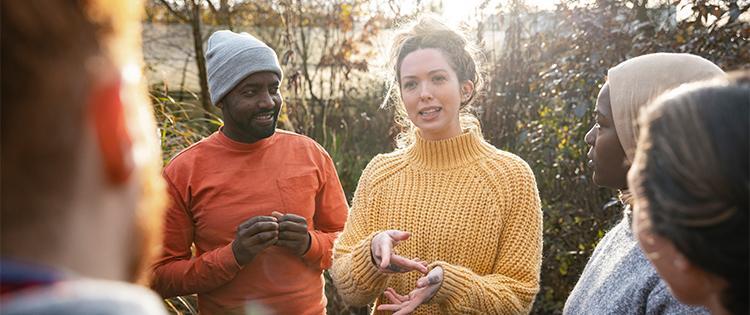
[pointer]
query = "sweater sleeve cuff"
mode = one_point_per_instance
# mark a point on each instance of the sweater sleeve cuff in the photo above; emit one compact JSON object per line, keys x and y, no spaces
{"x":454,"y":283}
{"x":312,"y":256}
{"x":363,"y":267}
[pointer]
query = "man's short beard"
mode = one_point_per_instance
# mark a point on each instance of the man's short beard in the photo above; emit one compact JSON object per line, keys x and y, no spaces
{"x":265,"y":132}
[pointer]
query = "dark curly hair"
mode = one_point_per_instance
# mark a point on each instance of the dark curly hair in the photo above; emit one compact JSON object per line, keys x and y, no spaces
{"x":692,"y":169}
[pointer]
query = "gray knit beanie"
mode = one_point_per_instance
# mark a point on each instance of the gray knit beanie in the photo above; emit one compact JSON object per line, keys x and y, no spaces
{"x":232,"y":57}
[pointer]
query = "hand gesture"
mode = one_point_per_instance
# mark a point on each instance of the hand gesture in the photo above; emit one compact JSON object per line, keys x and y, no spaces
{"x":384,"y":257}
{"x":426,"y":288}
{"x":293,"y":233}
{"x":253,"y":236}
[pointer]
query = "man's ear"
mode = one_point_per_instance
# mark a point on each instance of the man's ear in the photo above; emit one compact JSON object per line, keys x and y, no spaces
{"x":220,"y":105}
{"x":107,"y":117}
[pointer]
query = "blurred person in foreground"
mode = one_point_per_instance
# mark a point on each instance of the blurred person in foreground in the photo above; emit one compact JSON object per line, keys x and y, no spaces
{"x":82,"y":198}
{"x":691,"y":183}
{"x":262,"y":206}
{"x":446,"y":223}
{"x":618,"y":278}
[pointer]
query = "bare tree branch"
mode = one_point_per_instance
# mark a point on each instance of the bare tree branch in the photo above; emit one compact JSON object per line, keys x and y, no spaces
{"x":212,"y":7}
{"x":175,"y":12}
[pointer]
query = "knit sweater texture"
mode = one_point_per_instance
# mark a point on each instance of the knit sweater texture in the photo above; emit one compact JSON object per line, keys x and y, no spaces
{"x":618,"y":279}
{"x":472,"y":209}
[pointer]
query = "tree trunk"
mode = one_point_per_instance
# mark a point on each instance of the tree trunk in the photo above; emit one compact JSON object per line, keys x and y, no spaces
{"x":200,"y":59}
{"x":224,"y":16}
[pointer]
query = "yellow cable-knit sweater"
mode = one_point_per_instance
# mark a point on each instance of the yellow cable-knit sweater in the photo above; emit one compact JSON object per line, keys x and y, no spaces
{"x":471,"y":208}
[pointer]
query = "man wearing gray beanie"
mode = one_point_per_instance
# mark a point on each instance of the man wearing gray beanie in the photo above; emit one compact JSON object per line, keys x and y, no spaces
{"x":261,"y":206}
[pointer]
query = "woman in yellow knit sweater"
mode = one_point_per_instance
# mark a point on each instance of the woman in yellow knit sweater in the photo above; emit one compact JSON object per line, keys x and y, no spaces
{"x":447,"y":223}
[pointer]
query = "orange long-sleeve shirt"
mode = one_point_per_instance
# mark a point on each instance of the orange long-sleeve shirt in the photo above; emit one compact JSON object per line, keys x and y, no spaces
{"x":219,"y":183}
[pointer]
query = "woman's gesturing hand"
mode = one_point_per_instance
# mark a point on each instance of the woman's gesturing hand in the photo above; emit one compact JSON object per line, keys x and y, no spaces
{"x":426,"y":288}
{"x":385,"y":257}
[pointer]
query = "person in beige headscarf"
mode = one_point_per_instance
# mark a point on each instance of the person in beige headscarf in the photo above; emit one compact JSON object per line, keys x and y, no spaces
{"x":618,"y":278}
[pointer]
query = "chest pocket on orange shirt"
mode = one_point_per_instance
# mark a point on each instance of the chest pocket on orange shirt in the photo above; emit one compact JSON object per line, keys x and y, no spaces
{"x":298,"y":194}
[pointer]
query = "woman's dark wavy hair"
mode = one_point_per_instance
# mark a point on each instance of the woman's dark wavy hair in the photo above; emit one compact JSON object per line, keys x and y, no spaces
{"x":692,"y":170}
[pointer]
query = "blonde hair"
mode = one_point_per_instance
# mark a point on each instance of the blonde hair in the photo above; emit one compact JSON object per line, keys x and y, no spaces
{"x":461,"y":54}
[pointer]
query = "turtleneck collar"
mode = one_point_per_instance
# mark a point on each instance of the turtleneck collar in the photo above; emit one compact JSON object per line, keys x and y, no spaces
{"x":448,"y":153}
{"x":241,"y":146}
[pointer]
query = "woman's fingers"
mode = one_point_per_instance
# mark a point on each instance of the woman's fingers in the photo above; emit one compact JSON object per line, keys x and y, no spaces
{"x":407,"y":265}
{"x":399,"y":298}
{"x":385,"y":254}
{"x":397,"y":235}
{"x":389,"y":307}
{"x":398,"y":301}
{"x":426,"y":288}
{"x":400,"y":264}
{"x":422,"y":282}
{"x":401,"y":304}
{"x":392,"y":298}
{"x":434,"y":277}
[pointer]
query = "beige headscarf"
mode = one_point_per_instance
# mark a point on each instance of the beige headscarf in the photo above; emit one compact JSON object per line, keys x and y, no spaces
{"x":635,"y":82}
